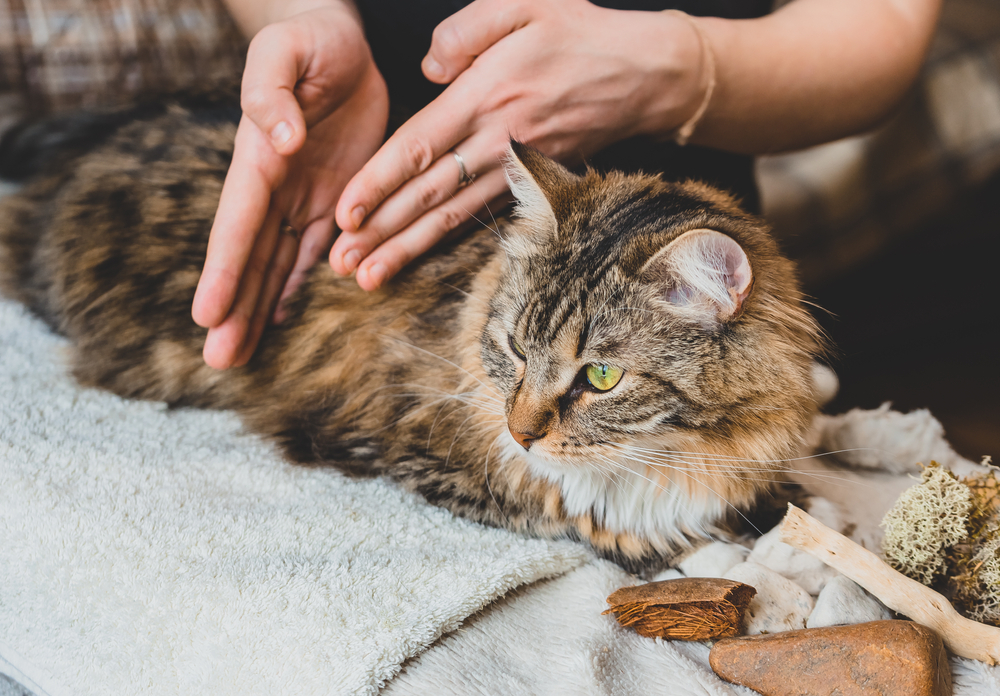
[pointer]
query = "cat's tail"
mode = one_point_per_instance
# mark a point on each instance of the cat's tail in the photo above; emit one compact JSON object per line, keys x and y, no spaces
{"x":50,"y":144}
{"x":23,"y":217}
{"x":43,"y":145}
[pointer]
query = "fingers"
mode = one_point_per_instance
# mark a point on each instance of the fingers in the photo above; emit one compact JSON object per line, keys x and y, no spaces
{"x":267,"y":96}
{"x":281,"y":263}
{"x":416,"y":197}
{"x":226,"y":340}
{"x":315,"y":242}
{"x":243,"y":205}
{"x":398,"y":250}
{"x":467,"y":33}
{"x":411,"y":150}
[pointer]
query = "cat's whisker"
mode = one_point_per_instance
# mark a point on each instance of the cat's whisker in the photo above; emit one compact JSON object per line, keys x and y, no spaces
{"x":454,"y":439}
{"x":496,"y":229}
{"x":467,"y":295}
{"x":442,"y":359}
{"x":613,"y":478}
{"x":496,"y":226}
{"x":486,"y":473}
{"x":697,"y":462}
{"x":485,"y":407}
{"x":413,"y":385}
{"x":694,"y":468}
{"x":444,"y":401}
{"x":733,"y":458}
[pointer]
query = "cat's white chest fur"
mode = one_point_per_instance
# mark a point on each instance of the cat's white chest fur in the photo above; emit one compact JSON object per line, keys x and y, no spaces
{"x":625,"y":500}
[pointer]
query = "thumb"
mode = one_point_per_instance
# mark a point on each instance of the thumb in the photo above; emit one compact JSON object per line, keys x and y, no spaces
{"x":267,"y":95}
{"x":469,"y":32}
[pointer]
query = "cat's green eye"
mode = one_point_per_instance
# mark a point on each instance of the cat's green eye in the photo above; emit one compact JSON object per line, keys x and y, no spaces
{"x":604,"y":377}
{"x":515,"y":346}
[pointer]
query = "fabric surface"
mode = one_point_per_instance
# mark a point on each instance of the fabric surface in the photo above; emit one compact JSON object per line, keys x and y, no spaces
{"x":550,"y":638}
{"x":64,"y":54}
{"x":150,"y":551}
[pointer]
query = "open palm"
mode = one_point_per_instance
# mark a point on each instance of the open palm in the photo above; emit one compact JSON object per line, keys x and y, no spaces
{"x":310,"y":123}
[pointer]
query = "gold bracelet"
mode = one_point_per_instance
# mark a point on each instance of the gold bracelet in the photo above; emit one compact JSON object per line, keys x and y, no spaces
{"x":684,"y":132}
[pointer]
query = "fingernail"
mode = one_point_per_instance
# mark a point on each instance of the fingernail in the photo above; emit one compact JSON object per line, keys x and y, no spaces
{"x":377,"y":274}
{"x":351,"y":259}
{"x":280,"y":313}
{"x":281,"y":134}
{"x":358,"y":216}
{"x":433,"y":69}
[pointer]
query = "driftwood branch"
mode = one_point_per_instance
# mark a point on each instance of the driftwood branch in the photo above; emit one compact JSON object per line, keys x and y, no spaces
{"x":963,"y":636}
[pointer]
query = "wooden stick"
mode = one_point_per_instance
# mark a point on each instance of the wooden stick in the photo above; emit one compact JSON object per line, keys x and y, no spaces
{"x":962,"y":636}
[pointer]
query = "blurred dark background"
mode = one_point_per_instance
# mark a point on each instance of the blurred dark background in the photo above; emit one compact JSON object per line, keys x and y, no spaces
{"x":917,"y":324}
{"x":897,"y":233}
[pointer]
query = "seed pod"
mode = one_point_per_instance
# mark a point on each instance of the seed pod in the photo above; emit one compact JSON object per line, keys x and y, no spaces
{"x":683,"y":609}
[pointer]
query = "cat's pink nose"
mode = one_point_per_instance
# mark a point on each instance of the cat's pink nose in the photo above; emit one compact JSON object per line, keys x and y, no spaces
{"x":523,"y":439}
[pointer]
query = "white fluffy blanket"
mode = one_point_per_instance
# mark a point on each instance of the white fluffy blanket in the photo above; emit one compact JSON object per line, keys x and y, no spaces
{"x":148,"y":551}
{"x":550,"y":637}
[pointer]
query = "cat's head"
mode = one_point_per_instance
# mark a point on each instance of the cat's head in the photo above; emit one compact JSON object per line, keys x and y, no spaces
{"x":646,"y":326}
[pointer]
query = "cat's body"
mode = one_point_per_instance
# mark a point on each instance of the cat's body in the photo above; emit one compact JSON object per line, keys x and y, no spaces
{"x":424,"y":381}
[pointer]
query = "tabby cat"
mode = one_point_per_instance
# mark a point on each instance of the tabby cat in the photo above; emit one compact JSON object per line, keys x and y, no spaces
{"x":624,"y":360}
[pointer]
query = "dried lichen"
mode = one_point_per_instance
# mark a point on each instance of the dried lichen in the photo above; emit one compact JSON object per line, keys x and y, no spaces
{"x":985,"y":578}
{"x":945,"y":533}
{"x":925,"y":522}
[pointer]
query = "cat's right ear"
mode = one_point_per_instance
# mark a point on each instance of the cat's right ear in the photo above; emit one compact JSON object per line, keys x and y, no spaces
{"x":703,"y":273}
{"x":541,"y":186}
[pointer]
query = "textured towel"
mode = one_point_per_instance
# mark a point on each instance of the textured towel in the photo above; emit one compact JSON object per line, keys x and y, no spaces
{"x":146,"y":550}
{"x":550,"y":637}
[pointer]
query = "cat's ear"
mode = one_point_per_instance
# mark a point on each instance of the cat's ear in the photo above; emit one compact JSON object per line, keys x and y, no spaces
{"x":541,"y":186}
{"x":703,"y":272}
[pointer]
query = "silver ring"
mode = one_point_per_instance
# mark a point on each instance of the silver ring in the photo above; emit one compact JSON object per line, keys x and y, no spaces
{"x":464,"y":178}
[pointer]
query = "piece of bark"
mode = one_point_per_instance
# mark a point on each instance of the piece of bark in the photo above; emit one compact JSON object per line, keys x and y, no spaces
{"x":962,"y":636}
{"x":879,"y":658}
{"x":683,"y":609}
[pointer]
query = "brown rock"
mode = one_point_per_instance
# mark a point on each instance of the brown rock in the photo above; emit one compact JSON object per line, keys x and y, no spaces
{"x":880,"y":658}
{"x":683,"y":609}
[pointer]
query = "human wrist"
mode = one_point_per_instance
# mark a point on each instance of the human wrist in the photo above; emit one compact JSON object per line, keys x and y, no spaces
{"x":706,"y":82}
{"x":680,"y":76}
{"x":253,"y":15}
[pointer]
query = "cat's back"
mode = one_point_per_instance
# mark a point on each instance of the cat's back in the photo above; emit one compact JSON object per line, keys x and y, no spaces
{"x":112,"y":217}
{"x":107,"y":241}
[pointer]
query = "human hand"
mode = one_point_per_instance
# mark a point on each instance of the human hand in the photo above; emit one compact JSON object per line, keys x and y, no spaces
{"x":565,"y":76}
{"x":314,"y":111}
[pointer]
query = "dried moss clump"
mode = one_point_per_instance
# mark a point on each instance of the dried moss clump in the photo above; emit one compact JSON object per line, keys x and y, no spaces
{"x":980,"y":599}
{"x":945,"y":532}
{"x":925,"y":522}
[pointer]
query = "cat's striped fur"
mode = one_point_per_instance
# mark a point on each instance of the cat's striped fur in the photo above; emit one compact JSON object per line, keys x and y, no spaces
{"x":421,"y":381}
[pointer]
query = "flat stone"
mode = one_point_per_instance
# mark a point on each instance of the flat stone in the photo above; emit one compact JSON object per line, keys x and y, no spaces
{"x":713,"y":560}
{"x":780,"y":604}
{"x":880,"y":658}
{"x":844,"y":602}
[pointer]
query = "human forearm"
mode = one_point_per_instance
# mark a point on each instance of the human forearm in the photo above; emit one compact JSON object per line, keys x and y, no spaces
{"x":811,"y":72}
{"x":253,"y":15}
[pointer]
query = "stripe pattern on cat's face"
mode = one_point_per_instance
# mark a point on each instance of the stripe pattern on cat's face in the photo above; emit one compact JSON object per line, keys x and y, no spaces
{"x":645,"y":335}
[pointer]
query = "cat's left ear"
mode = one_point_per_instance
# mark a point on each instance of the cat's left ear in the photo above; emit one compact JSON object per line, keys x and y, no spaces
{"x":703,"y":272}
{"x":542,"y":186}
